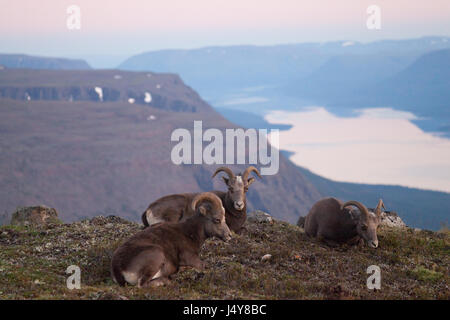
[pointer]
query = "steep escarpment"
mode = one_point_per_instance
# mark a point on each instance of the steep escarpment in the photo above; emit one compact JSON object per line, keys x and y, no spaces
{"x":163,"y":91}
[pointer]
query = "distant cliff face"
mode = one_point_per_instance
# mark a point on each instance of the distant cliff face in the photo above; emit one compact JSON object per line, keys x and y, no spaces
{"x":21,"y":61}
{"x":87,"y":156}
{"x":163,"y":91}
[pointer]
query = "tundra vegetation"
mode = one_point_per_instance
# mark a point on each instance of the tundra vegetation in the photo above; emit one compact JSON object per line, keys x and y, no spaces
{"x":414,"y":264}
{"x":177,"y":207}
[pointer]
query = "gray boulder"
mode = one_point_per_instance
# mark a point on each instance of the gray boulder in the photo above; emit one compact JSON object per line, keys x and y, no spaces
{"x":37,"y":216}
{"x":392,"y":219}
{"x":259,"y":216}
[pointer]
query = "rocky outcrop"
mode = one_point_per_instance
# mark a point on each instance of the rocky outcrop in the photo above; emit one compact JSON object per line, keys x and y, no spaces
{"x":392,"y":219}
{"x":259,"y":216}
{"x":38,"y":215}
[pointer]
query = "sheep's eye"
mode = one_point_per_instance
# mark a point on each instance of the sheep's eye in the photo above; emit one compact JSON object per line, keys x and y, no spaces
{"x":231,"y":189}
{"x":216,"y":220}
{"x":245,"y":189}
{"x":364,"y":227}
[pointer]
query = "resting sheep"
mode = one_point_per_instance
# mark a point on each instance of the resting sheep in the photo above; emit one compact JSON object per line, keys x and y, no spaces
{"x":334,"y":222}
{"x":151,"y":256}
{"x":177,"y":207}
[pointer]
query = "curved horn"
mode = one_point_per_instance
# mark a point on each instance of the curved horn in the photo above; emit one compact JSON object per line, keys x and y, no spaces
{"x":226,"y":170}
{"x":248,"y":170}
{"x":206,"y":196}
{"x":378,"y":208}
{"x":357,"y":204}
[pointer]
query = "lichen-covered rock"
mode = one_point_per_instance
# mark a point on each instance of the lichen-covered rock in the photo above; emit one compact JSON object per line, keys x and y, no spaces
{"x":259,"y":216}
{"x":391,"y":219}
{"x":38,"y":216}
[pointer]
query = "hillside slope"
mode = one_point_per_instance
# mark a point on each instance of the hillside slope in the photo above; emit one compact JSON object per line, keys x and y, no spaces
{"x":22,"y":61}
{"x":86,"y":157}
{"x":414,"y":265}
{"x":423,"y":84}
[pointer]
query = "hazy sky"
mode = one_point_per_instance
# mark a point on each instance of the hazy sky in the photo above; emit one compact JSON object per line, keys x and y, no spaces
{"x":132,"y":26}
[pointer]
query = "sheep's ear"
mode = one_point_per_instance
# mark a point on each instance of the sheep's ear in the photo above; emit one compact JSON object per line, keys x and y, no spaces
{"x":225,"y":180}
{"x":202,"y":210}
{"x":250,"y":181}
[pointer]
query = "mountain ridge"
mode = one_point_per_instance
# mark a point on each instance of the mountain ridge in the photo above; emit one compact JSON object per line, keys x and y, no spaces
{"x":23,"y":61}
{"x":90,"y":157}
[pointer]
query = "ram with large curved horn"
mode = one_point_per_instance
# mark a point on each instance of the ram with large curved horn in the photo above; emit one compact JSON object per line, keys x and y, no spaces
{"x":177,"y":207}
{"x":334,"y":222}
{"x":228,"y":171}
{"x":235,"y":199}
{"x":247,"y":172}
{"x":152,"y":256}
{"x":206,"y":196}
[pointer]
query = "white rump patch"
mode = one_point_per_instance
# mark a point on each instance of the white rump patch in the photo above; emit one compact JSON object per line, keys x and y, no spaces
{"x":117,"y":77}
{"x":158,"y":86}
{"x":131,"y":100}
{"x":130,"y":277}
{"x":151,"y":117}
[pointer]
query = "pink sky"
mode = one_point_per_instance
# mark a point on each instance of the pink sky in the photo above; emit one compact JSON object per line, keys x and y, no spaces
{"x":193,"y":23}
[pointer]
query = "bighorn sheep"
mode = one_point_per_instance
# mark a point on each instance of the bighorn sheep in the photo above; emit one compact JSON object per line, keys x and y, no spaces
{"x":176,"y":207}
{"x":332,"y":221}
{"x":151,"y":256}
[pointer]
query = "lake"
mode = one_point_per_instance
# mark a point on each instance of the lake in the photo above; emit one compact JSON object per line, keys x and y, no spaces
{"x":376,"y":146}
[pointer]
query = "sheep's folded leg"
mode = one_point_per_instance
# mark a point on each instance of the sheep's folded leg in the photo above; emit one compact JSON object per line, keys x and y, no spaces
{"x":192,"y":260}
{"x":161,"y":281}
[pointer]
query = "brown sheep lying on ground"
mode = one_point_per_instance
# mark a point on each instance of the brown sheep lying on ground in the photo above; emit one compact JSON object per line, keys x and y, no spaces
{"x":151,"y":256}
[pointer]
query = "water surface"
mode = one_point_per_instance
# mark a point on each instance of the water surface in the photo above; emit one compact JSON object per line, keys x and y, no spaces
{"x":379,"y":146}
